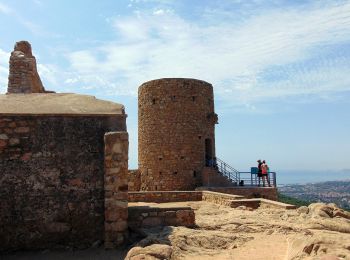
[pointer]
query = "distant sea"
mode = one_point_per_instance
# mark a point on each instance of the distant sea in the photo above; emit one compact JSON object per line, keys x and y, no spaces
{"x":285,"y":177}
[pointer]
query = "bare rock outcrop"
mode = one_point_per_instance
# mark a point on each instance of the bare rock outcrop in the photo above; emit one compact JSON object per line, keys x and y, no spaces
{"x":320,"y":231}
{"x":318,"y":247}
{"x":326,"y":217}
{"x":152,"y":252}
{"x":23,"y":76}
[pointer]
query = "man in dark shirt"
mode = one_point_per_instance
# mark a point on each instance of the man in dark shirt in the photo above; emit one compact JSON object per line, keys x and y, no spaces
{"x":259,"y":170}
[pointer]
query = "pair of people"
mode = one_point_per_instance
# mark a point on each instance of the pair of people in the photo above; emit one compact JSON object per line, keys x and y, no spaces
{"x":263,"y":170}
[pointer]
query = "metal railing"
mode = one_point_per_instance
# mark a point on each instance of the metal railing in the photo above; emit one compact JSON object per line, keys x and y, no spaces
{"x":252,"y":179}
{"x":241,"y":178}
{"x":225,"y":170}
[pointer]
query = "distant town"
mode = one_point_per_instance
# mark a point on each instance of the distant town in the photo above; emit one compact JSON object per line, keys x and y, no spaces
{"x":337,"y":192}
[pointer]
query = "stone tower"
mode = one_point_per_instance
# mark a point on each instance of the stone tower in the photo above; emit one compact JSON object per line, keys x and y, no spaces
{"x":23,"y":76}
{"x":176,"y":132}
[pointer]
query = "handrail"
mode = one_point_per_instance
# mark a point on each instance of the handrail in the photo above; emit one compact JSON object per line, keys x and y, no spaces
{"x":226,"y":170}
{"x":253,"y":179}
{"x":235,"y":176}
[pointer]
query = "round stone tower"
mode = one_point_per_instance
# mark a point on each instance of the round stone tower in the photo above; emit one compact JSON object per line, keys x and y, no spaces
{"x":176,"y":132}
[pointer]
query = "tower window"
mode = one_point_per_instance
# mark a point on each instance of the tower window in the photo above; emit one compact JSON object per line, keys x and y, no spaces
{"x":174,"y":173}
{"x":193,"y":98}
{"x":154,"y":101}
{"x":194,"y":174}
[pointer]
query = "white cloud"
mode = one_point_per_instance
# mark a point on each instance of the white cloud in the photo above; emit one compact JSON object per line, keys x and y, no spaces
{"x":233,"y":56}
{"x":48,"y":74}
{"x":5,"y":9}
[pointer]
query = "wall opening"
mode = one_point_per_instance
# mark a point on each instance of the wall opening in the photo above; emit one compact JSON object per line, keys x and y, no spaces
{"x":208,"y":152}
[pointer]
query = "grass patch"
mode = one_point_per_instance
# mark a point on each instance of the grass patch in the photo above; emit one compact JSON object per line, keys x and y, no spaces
{"x":289,"y":200}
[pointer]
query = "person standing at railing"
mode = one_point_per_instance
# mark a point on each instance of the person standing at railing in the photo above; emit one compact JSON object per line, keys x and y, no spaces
{"x":265,"y":170}
{"x":259,"y":170}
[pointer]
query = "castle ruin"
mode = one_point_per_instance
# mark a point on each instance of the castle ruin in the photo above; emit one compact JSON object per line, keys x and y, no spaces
{"x":64,"y":178}
{"x":24,"y":77}
{"x":63,"y":164}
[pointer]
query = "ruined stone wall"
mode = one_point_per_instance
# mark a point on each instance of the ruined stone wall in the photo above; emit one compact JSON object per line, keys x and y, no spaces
{"x":52,"y":180}
{"x":164,"y":196}
{"x":176,"y":116}
{"x":23,"y":75}
{"x":116,"y":188}
{"x":248,"y":192}
{"x":141,"y":216}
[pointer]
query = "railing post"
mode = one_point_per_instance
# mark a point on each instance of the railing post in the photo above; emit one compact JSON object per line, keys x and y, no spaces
{"x":274,"y":179}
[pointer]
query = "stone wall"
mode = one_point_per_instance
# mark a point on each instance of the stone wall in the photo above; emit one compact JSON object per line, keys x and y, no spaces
{"x":23,"y":76}
{"x":164,"y":196}
{"x":116,"y":188}
{"x":52,"y":180}
{"x":230,"y":200}
{"x":219,"y":198}
{"x":144,"y":216}
{"x":248,"y":192}
{"x":176,"y":117}
{"x":134,"y":180}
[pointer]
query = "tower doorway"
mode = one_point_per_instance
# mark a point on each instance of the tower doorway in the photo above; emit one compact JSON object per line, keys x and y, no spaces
{"x":208,"y":152}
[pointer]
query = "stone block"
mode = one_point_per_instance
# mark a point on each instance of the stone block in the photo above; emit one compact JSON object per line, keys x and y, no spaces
{"x":152,"y":222}
{"x":22,"y":130}
{"x":3,"y":137}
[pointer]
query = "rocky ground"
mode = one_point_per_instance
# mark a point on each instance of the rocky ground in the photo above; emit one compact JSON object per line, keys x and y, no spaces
{"x":320,"y":231}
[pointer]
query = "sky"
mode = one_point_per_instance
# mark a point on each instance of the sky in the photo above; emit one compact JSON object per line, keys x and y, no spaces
{"x":280,"y":69}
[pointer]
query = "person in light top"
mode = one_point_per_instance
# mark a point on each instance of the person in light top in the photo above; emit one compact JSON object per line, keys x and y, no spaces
{"x":265,"y":173}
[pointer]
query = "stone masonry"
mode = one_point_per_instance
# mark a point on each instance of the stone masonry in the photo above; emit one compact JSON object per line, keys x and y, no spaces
{"x":54,"y":190}
{"x":176,"y":132}
{"x":153,"y":216}
{"x":24,"y":77}
{"x":116,"y":188}
{"x":134,"y":180}
{"x":52,"y":180}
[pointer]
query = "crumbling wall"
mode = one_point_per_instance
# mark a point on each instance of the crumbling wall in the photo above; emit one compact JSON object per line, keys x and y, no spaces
{"x":269,"y":193}
{"x":23,"y":76}
{"x":116,"y":188}
{"x":52,"y":180}
{"x":164,"y":196}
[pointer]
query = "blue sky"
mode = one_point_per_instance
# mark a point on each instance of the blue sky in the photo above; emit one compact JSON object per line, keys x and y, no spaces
{"x":280,"y":69}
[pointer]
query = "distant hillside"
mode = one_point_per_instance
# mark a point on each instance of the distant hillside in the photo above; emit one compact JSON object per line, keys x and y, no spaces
{"x":337,"y":192}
